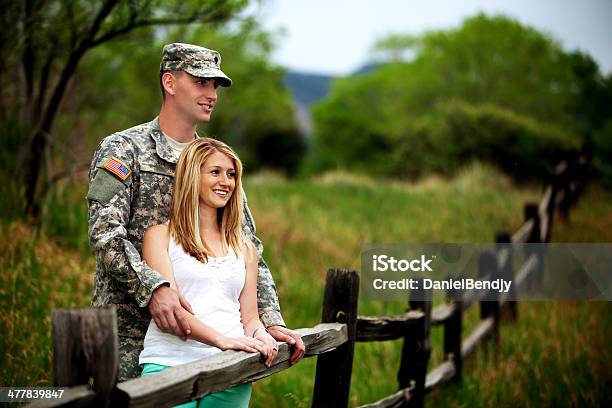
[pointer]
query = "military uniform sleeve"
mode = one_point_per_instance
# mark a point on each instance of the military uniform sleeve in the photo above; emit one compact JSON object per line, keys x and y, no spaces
{"x":109,"y":200}
{"x":267,"y":298}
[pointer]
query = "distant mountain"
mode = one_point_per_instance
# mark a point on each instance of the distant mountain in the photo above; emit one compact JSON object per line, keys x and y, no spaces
{"x":310,"y":88}
{"x":366,"y":69}
{"x":307,"y":88}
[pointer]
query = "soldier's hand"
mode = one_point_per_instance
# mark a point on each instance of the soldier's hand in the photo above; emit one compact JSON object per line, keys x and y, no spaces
{"x":164,"y":306}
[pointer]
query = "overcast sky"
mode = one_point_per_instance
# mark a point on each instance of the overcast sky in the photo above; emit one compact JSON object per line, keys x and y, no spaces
{"x":335,"y":36}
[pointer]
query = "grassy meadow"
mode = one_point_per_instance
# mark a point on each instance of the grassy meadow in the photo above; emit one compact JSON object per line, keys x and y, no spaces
{"x":557,"y":353}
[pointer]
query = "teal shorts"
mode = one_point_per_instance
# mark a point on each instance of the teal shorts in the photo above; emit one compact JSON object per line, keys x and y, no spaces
{"x":237,"y":396}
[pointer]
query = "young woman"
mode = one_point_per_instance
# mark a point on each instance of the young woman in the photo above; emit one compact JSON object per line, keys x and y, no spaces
{"x":204,"y":254}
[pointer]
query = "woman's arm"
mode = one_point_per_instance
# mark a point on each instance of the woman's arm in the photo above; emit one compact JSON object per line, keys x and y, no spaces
{"x":206,"y":334}
{"x":155,"y":254}
{"x":248,"y":297}
{"x":248,"y":305}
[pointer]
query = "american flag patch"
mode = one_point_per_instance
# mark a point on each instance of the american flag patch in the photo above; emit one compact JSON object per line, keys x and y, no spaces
{"x":117,"y":168}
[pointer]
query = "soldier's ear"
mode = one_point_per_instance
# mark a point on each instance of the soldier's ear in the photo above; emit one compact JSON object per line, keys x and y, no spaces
{"x":169,"y":82}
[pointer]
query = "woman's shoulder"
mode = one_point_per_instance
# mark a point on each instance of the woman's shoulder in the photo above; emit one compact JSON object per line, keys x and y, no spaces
{"x":249,"y":252}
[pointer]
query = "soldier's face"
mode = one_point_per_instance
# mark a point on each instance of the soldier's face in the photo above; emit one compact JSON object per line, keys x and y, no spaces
{"x":217,"y":180}
{"x":195,"y":97}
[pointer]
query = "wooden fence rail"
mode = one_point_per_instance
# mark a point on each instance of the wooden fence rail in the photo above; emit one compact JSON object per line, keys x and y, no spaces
{"x":91,"y":349}
{"x":189,"y":381}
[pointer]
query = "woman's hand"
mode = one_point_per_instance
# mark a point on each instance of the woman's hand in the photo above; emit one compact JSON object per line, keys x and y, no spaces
{"x":248,"y":344}
{"x":270,"y":345}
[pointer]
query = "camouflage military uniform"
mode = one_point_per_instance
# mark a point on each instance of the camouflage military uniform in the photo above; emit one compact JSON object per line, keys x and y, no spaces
{"x":119,"y":212}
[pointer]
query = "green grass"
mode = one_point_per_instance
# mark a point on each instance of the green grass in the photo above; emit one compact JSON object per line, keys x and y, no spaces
{"x":555,"y":354}
{"x":308,"y":226}
{"x":37,"y":276}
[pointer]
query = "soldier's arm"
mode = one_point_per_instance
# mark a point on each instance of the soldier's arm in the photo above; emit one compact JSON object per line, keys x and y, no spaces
{"x":109,"y":199}
{"x":267,"y":298}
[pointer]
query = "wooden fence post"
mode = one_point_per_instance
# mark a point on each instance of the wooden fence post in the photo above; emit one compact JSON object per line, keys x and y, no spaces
{"x":333,"y":375}
{"x":580,"y":175}
{"x":417,"y":348}
{"x":85,"y":345}
{"x":570,"y":184}
{"x":531,"y":213}
{"x":563,"y":180}
{"x":556,"y":182}
{"x":452,"y":331}
{"x":489,"y":306}
{"x":504,"y":242}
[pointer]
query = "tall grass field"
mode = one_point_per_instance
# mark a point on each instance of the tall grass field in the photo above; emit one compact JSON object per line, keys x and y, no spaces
{"x":556,"y":354}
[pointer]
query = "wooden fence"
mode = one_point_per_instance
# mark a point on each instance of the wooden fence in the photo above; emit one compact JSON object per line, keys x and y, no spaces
{"x":85,"y":340}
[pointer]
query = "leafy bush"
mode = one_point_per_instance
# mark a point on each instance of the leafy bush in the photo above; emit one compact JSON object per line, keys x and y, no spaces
{"x":602,"y":157}
{"x":453,"y":133}
{"x":518,"y":144}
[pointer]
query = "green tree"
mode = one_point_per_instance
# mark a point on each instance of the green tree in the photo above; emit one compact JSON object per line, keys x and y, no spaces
{"x":43,"y":43}
{"x":489,"y":60}
{"x":503,"y":76}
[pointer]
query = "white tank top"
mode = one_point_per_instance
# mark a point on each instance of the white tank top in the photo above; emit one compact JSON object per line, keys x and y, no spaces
{"x":212,"y":289}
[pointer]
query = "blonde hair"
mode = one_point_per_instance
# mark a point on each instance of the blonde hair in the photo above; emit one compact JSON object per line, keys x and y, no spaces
{"x":184,"y":225}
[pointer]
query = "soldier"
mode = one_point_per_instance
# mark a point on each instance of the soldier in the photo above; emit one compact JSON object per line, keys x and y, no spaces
{"x":130,"y":189}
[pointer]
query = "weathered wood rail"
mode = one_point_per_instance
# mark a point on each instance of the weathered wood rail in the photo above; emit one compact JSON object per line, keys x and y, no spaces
{"x":91,"y":349}
{"x":181,"y":383}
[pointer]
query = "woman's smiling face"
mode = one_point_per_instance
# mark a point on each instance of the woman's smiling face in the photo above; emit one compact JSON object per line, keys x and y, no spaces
{"x":217,"y":180}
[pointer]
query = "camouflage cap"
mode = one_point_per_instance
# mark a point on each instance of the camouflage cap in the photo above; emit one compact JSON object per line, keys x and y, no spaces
{"x":197,"y":61}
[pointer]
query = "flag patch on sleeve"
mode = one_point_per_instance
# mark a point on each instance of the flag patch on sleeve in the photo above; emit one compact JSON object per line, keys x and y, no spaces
{"x":117,"y":168}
